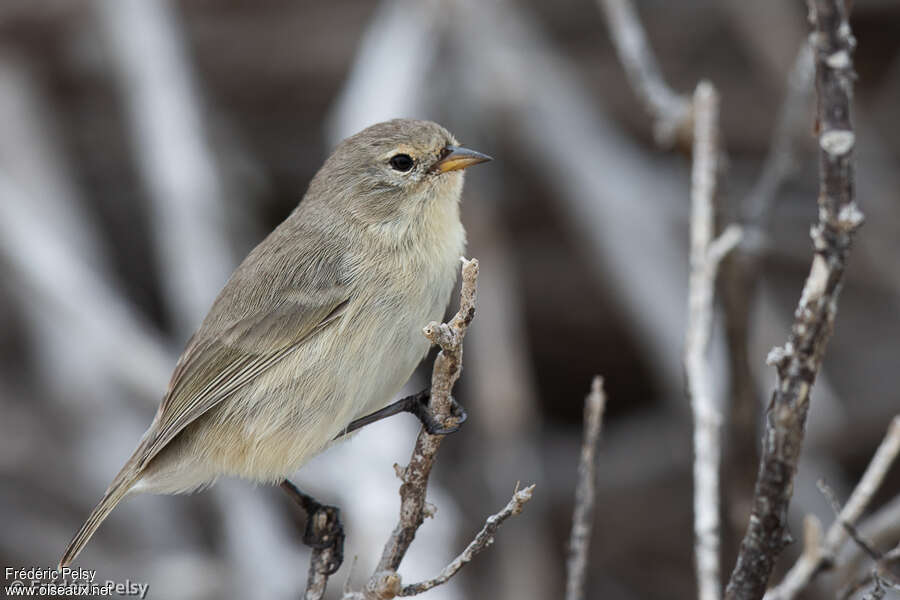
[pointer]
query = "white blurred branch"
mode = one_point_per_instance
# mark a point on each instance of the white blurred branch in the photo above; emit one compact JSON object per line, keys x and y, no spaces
{"x":670,"y":111}
{"x":384,"y":83}
{"x":175,"y":161}
{"x":616,"y":197}
{"x":707,"y":253}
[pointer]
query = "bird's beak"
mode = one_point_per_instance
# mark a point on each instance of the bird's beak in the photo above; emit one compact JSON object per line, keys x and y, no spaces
{"x":457,"y":157}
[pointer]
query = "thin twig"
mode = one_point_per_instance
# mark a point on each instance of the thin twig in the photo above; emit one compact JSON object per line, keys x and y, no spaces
{"x":879,"y":573}
{"x":322,"y":563}
{"x":446,"y":371}
{"x":819,"y":555}
{"x":484,"y":539}
{"x":385,"y":583}
{"x":798,"y":361}
{"x":707,"y":253}
{"x":671,"y":112}
{"x":585,"y":491}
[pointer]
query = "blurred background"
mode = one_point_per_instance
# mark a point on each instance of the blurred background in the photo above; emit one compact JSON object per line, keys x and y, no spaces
{"x":146,"y":147}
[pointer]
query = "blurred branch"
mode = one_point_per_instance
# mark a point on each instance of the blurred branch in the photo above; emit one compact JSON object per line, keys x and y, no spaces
{"x":882,"y":527}
{"x":741,"y":272}
{"x":798,"y":361}
{"x":484,"y":539}
{"x":175,"y":160}
{"x":585,"y":492}
{"x":671,"y":112}
{"x":818,"y":555}
{"x":383,"y":83}
{"x":615,"y":213}
{"x":879,"y":574}
{"x":502,"y":392}
{"x":48,"y":239}
{"x":781,"y":158}
{"x":707,"y":253}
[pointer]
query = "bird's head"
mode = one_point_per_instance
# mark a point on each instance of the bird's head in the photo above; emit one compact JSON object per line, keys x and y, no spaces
{"x":394,"y":175}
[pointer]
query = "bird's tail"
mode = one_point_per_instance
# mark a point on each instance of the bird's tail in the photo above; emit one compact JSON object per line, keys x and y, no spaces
{"x":123,"y":482}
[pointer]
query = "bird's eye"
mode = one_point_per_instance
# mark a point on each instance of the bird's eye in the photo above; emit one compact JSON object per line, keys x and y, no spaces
{"x":402,"y":162}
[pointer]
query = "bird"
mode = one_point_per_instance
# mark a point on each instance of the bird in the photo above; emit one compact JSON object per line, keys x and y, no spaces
{"x":318,"y":327}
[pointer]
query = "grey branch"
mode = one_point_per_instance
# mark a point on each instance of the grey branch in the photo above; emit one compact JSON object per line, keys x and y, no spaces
{"x":818,"y":553}
{"x":321,"y":562}
{"x":798,"y":361}
{"x":446,"y":370}
{"x":879,"y":574}
{"x":585,"y":491}
{"x":707,"y":253}
{"x":484,"y":539}
{"x":670,"y":111}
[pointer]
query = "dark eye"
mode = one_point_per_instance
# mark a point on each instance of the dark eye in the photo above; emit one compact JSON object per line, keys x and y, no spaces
{"x":402,"y":162}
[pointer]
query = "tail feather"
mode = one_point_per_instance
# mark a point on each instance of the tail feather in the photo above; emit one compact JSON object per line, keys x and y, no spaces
{"x":117,"y":490}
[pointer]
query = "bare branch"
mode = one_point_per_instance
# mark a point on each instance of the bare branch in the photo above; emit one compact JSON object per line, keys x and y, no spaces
{"x":174,"y":158}
{"x":446,"y":370}
{"x":671,"y":112}
{"x":819,"y":554}
{"x":706,"y":255}
{"x":798,"y":361}
{"x":484,"y":539}
{"x":323,"y":561}
{"x":583,"y":516}
{"x":385,"y":583}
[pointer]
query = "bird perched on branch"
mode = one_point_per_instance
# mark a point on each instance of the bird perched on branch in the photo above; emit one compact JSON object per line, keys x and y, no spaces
{"x":319,"y":327}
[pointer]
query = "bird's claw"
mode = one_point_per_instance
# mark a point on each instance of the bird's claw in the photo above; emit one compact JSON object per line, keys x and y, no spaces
{"x":324,"y":530}
{"x":421,"y":407}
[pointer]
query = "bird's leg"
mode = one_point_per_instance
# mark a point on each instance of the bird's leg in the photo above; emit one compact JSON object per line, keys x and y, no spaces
{"x":417,"y":404}
{"x":323,"y":526}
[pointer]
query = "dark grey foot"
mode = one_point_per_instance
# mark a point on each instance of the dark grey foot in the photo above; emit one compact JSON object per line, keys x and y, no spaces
{"x":418,"y":405}
{"x":323,"y":526}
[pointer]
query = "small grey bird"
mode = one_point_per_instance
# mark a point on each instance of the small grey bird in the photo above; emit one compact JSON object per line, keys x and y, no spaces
{"x":318,"y":327}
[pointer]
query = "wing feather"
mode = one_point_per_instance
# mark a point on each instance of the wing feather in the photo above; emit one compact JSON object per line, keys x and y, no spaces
{"x":214,"y":368}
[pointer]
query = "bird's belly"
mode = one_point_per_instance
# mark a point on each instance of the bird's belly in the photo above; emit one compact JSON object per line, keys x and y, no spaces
{"x":271,"y":427}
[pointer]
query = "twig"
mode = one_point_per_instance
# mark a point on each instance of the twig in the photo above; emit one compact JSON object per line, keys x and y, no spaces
{"x":385,"y":583}
{"x":585,"y":490}
{"x":798,"y":361}
{"x":446,"y":370}
{"x":879,"y":573}
{"x":819,"y":555}
{"x":848,"y":527}
{"x":670,"y":111}
{"x":484,"y":539}
{"x":706,"y":255}
{"x":883,"y":526}
{"x":322,"y":563}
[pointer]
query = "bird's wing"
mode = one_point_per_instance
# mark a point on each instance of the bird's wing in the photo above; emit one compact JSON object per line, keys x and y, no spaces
{"x":214,"y":367}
